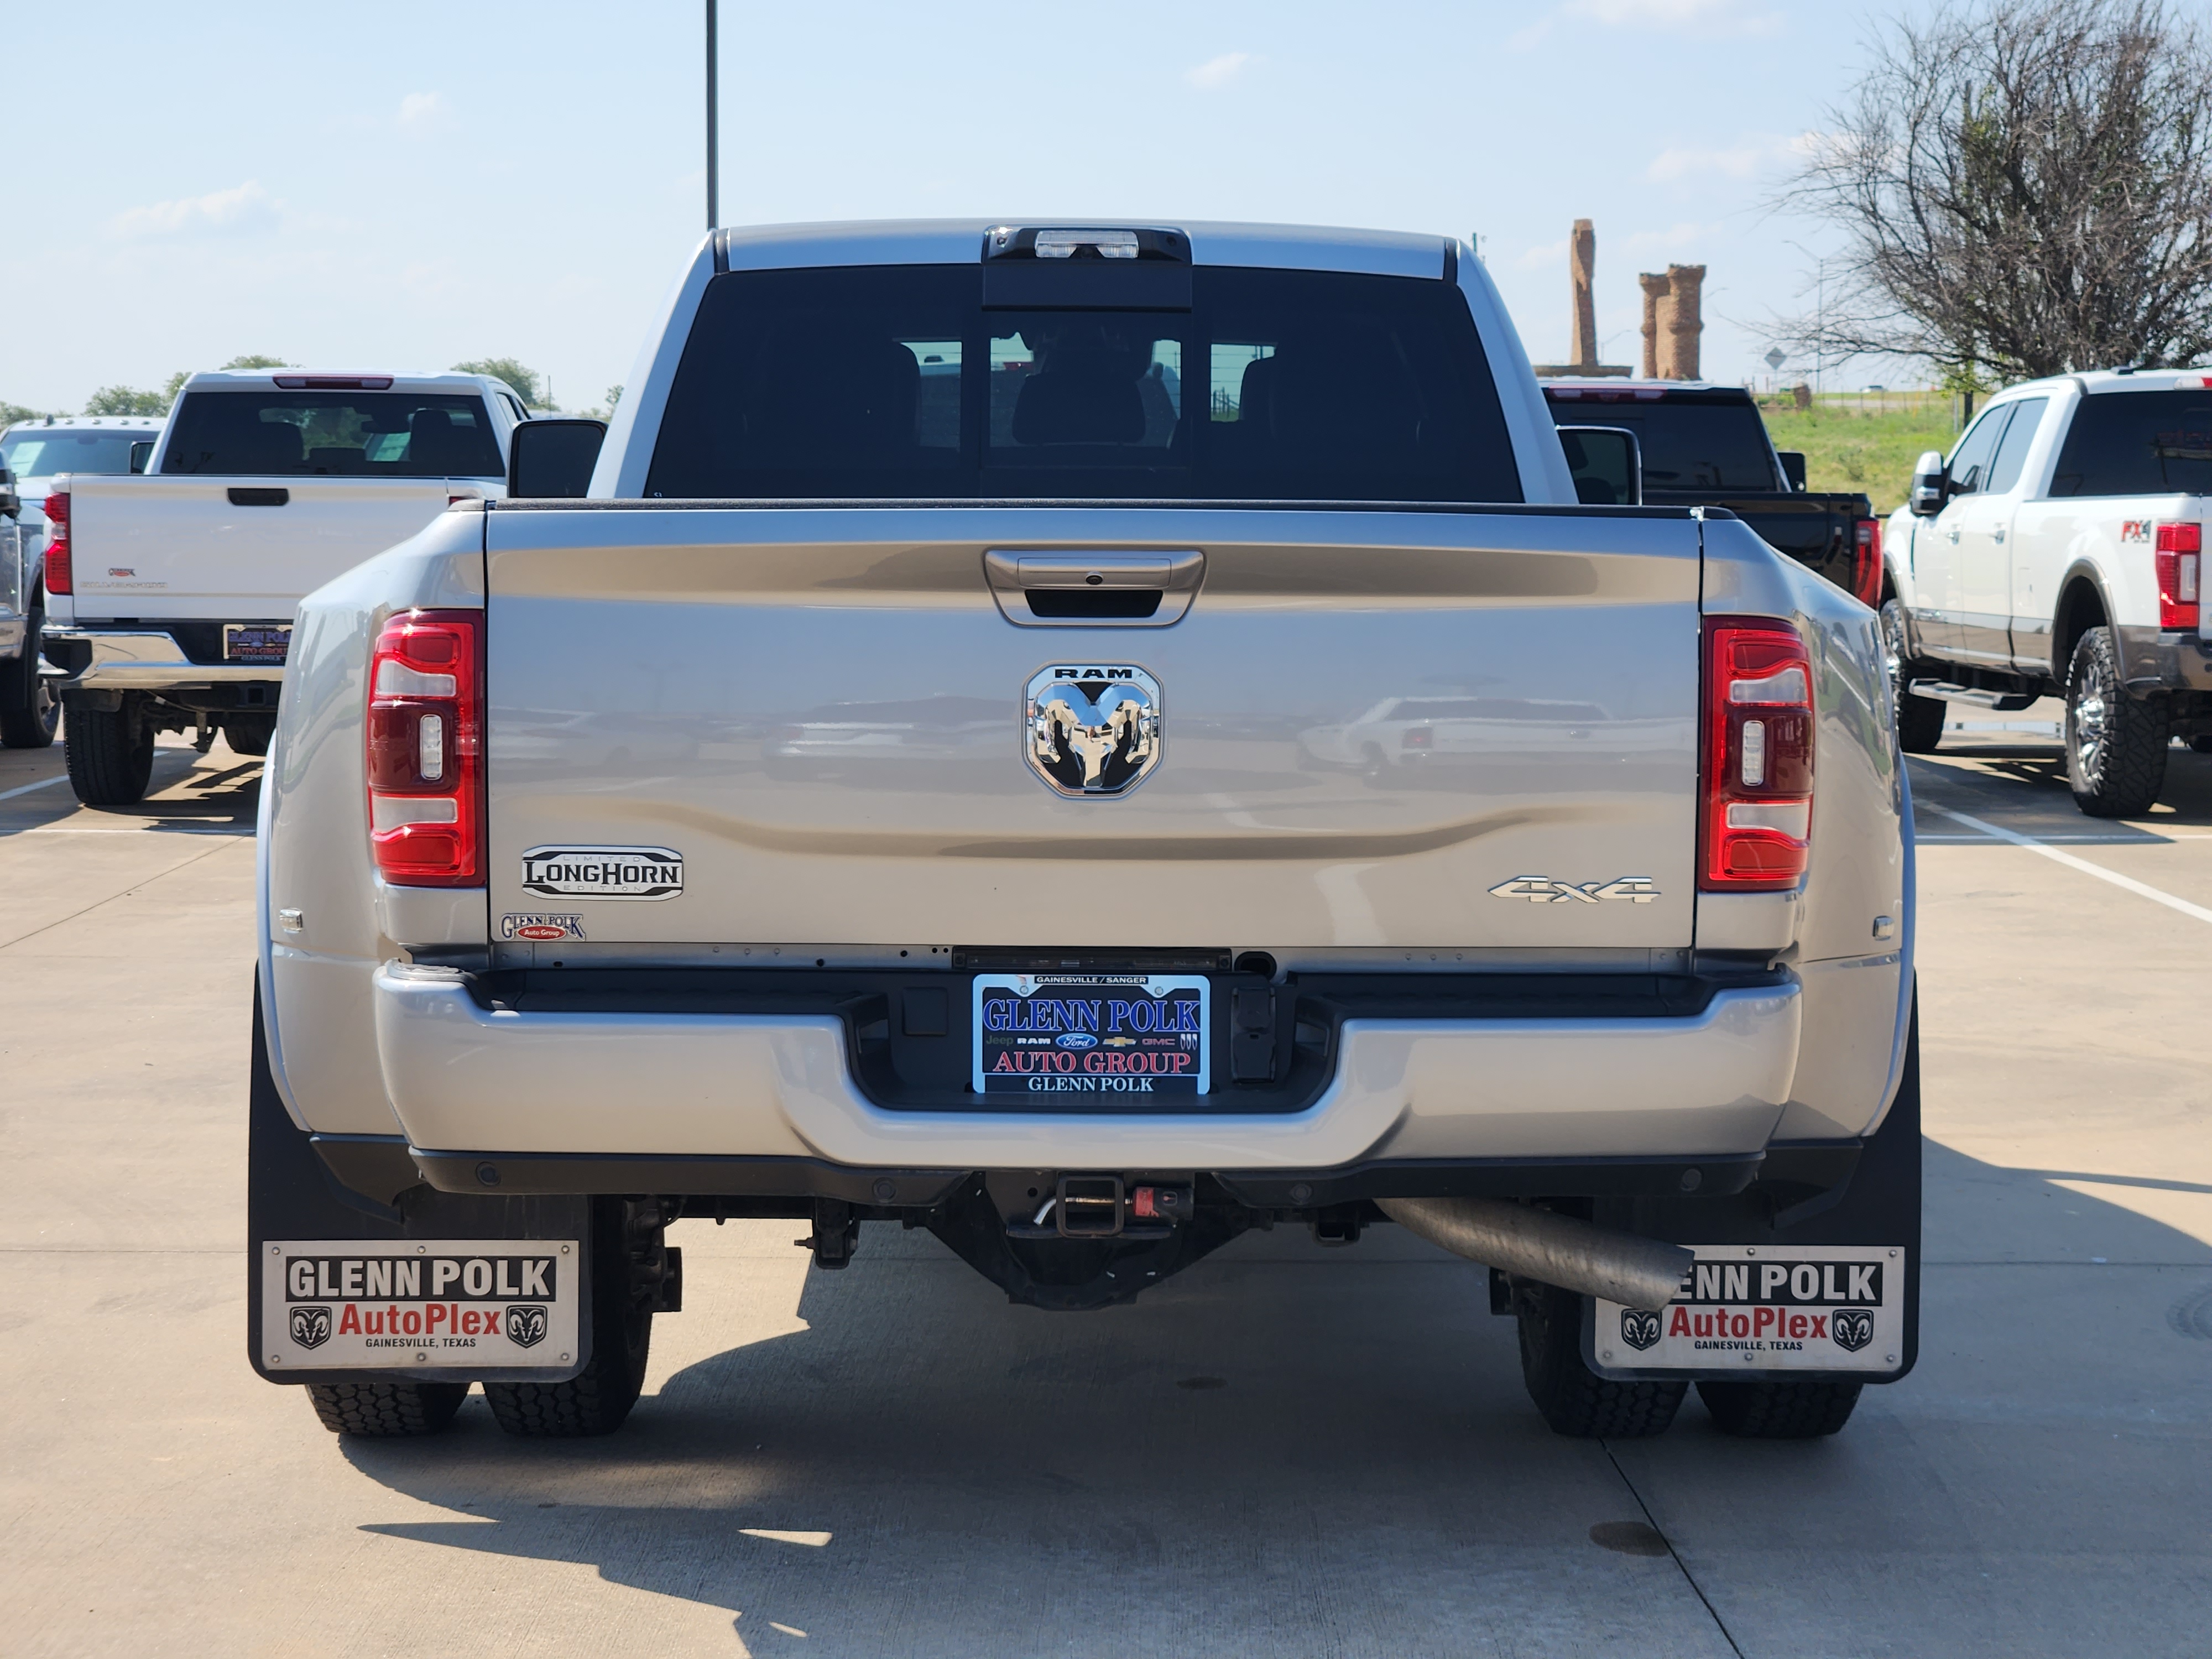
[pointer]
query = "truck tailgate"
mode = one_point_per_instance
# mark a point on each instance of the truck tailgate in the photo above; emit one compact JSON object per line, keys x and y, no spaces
{"x":822,"y":711}
{"x":230,"y":547}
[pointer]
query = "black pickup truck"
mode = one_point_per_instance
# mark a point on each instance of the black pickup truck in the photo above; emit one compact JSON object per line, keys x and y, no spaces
{"x":1704,"y":446}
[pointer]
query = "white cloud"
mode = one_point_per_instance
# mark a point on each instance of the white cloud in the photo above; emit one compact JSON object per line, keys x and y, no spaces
{"x":1679,"y":16}
{"x":1742,"y":159}
{"x":420,"y":111}
{"x":1738,"y":163}
{"x":1219,"y":71}
{"x":242,"y":208}
{"x":1550,"y":254}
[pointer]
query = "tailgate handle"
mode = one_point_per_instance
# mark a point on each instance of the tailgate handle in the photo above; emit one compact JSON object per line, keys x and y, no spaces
{"x":1100,"y":588}
{"x":252,"y":497}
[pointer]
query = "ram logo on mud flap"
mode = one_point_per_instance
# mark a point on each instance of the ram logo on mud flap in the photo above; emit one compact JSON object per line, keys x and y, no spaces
{"x":1639,"y":1327}
{"x":311,"y":1327}
{"x":1852,"y":1328}
{"x":526,"y":1326}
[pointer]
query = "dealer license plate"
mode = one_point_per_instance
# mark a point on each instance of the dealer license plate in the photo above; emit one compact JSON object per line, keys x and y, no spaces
{"x":498,"y":1304}
{"x":1115,"y":1037}
{"x":1776,"y":1307}
{"x":257,"y":642}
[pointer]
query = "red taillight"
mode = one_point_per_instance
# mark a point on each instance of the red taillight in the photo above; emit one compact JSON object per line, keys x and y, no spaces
{"x":59,"y":578}
{"x":1866,"y":561}
{"x":426,"y":749}
{"x":2180,"y":554}
{"x":1757,"y":815}
{"x":1418,"y":736}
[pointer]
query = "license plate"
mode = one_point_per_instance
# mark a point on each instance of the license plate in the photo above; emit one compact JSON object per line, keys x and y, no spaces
{"x":1111,"y":1036}
{"x":1766,"y":1308}
{"x":257,"y":642}
{"x":346,"y":1304}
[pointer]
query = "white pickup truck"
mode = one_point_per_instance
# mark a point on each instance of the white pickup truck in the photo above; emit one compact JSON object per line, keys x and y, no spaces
{"x":655,"y":851}
{"x":169,"y":597}
{"x":2058,"y":552}
{"x":34,"y":452}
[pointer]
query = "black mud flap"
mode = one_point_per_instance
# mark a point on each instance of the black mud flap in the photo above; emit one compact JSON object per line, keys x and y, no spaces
{"x":292,"y":1196}
{"x":1784,"y":1282}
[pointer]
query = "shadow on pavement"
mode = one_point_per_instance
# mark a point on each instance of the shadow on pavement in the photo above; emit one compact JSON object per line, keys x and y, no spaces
{"x":1288,"y":1449}
{"x":2023,"y":788}
{"x":216,"y":794}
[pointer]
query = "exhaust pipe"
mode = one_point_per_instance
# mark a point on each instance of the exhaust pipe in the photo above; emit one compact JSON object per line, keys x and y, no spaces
{"x":1557,"y":1249}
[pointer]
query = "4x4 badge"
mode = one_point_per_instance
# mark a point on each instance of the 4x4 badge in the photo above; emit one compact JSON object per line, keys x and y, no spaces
{"x":1542,"y":890}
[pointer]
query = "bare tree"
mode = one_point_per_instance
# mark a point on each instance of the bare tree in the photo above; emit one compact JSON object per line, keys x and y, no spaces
{"x":2025,"y":188}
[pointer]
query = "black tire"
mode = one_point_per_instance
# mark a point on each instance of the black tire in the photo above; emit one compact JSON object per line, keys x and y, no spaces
{"x":1919,"y":719}
{"x":387,"y":1410}
{"x":2116,"y":744}
{"x":1575,"y":1400}
{"x":249,"y":734}
{"x":1779,"y":1409}
{"x":29,"y":712}
{"x":110,"y":753}
{"x":598,"y":1399}
{"x":2202,"y":745}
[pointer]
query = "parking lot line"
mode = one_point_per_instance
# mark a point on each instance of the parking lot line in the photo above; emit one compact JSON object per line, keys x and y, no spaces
{"x":2071,"y":862}
{"x":26,"y":788}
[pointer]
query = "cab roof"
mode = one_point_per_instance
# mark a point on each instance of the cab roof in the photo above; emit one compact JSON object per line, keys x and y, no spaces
{"x":118,"y":423}
{"x":333,"y":380}
{"x":1615,"y":387}
{"x":960,"y":241}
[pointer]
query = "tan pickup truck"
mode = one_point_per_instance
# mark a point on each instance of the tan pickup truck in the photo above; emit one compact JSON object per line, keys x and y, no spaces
{"x":888,"y":792}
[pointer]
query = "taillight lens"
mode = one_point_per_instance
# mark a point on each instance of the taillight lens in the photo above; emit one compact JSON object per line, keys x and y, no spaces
{"x":59,"y":577}
{"x":1866,"y":561}
{"x":425,"y":737}
{"x":2180,"y":553}
{"x":1418,"y":736}
{"x":1757,"y":808}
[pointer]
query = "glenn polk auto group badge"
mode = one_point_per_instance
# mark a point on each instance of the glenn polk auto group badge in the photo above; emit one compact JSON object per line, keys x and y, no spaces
{"x":1091,"y":729}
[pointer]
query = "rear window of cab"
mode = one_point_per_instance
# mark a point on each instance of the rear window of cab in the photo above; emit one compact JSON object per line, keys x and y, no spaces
{"x":2137,"y":443}
{"x":352,"y":434}
{"x":897,"y":382}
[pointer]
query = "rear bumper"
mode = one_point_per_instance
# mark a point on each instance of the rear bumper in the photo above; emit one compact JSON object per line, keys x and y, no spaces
{"x":147,"y":659}
{"x":2154,"y":660}
{"x":478,"y":1083}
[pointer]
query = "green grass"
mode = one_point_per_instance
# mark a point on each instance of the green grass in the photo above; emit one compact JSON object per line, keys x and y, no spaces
{"x":1855,"y":444}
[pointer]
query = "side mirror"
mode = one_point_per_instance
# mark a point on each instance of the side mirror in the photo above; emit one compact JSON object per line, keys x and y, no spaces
{"x":141,"y":452}
{"x":11,"y":504}
{"x":552,"y":460}
{"x":1793,"y":466}
{"x":1607,"y":464}
{"x":1931,"y":490}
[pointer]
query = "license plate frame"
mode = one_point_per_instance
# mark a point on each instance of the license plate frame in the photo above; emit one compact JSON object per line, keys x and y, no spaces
{"x":320,"y":1297}
{"x":1106,"y":1037}
{"x":267,"y":645}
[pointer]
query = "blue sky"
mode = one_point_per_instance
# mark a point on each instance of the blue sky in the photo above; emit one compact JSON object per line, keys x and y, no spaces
{"x":407,"y":185}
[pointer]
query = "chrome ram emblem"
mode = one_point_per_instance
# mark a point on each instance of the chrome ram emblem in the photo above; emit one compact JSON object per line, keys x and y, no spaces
{"x":1091,"y":729}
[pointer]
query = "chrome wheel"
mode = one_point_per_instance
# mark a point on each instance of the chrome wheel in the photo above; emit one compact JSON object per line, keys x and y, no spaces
{"x":1892,"y":643}
{"x":2088,"y":712}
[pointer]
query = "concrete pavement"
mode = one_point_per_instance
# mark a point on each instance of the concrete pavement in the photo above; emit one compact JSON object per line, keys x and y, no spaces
{"x":1287,"y":1449}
